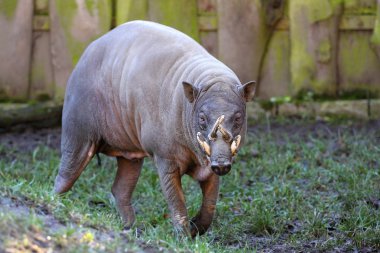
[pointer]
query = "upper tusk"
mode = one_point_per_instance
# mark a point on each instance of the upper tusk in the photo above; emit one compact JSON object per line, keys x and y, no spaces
{"x":215,"y":128}
{"x":203,"y":144}
{"x":224,"y":132}
{"x":235,"y":144}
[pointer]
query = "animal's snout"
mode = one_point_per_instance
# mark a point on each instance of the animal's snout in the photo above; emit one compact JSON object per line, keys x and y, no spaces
{"x":221,"y":168}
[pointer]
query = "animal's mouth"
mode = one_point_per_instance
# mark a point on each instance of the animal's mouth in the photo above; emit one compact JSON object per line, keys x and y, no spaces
{"x":220,"y":147}
{"x":212,"y":137}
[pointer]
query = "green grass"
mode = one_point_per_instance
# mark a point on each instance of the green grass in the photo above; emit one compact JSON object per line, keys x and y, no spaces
{"x":319,"y":190}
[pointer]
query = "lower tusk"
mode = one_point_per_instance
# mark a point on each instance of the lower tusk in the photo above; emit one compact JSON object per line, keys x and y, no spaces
{"x":203,"y":144}
{"x":235,"y":144}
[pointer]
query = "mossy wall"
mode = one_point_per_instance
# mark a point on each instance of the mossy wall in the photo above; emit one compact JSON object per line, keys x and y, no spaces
{"x":333,"y":49}
{"x":275,"y":74}
{"x":15,"y":48}
{"x":313,"y":29}
{"x":358,"y":64}
{"x":74,"y":24}
{"x":180,"y":14}
{"x":329,"y":47}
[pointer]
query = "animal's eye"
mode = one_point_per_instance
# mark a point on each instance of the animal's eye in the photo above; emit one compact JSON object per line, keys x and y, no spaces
{"x":202,"y":121}
{"x":238,"y":118}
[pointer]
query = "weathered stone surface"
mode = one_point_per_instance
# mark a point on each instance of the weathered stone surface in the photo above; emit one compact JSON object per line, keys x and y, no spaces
{"x":16,"y":18}
{"x":74,"y":24}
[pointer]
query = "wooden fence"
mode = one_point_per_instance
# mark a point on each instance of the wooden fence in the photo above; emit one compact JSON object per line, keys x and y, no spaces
{"x":328,"y":47}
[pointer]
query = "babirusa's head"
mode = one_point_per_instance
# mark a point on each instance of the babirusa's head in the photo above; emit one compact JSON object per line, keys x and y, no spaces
{"x":219,"y":121}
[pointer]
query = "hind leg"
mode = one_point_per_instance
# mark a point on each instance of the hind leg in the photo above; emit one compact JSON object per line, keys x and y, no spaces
{"x":128,"y":173}
{"x":72,"y":164}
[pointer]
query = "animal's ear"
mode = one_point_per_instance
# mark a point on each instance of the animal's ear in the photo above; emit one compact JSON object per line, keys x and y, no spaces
{"x":190,"y":91}
{"x":247,"y":90}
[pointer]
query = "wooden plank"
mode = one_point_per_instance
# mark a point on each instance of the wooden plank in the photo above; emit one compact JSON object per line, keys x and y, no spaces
{"x":16,"y":18}
{"x":347,"y":22}
{"x":74,"y":24}
{"x":244,"y":28}
{"x":41,"y":114}
{"x":207,"y":7}
{"x":41,"y":7}
{"x":127,"y":10}
{"x":41,"y":23}
{"x":209,"y":40}
{"x":179,"y":14}
{"x":313,"y":47}
{"x":41,"y":74}
{"x":208,"y":23}
{"x":358,"y":64}
{"x":242,"y":35}
{"x":362,"y":22}
{"x":283,"y":24}
{"x":275,"y":74}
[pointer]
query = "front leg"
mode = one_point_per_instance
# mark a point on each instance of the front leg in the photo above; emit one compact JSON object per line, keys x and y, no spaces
{"x":202,"y":221}
{"x":170,"y":180}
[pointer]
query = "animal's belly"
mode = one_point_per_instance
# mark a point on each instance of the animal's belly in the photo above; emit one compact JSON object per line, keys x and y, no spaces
{"x":130,"y":155}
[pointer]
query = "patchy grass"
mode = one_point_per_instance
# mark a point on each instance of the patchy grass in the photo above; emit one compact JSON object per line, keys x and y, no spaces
{"x":295,"y":186}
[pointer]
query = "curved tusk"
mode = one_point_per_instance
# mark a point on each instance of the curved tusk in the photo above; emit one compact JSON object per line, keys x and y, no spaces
{"x":235,"y":144}
{"x":224,"y":132}
{"x":203,"y":144}
{"x":215,"y":128}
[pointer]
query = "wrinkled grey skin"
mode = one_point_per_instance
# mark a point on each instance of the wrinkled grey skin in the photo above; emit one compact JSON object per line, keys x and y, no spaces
{"x":145,"y":90}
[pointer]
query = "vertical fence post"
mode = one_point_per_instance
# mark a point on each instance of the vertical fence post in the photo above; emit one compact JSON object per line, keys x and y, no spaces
{"x":15,"y":48}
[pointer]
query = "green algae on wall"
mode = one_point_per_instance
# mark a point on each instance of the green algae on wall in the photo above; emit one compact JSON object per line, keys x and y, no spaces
{"x":128,"y":10}
{"x":359,"y":7}
{"x":301,"y":62}
{"x":73,"y":27}
{"x":358,"y":65}
{"x":179,"y":14}
{"x":83,"y":23}
{"x":375,"y":39}
{"x":275,"y":76}
{"x":8,"y":8}
{"x":313,"y":35}
{"x":16,"y":18}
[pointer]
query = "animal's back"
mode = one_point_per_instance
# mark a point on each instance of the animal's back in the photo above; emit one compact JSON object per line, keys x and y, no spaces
{"x":124,"y":81}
